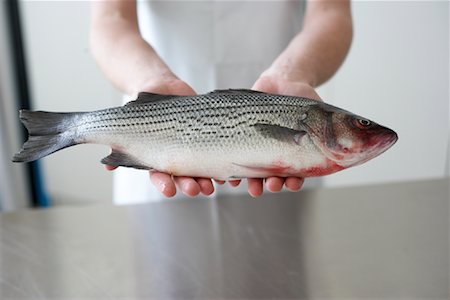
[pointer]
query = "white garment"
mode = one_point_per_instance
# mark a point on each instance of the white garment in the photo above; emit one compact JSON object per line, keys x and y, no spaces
{"x":210,"y":45}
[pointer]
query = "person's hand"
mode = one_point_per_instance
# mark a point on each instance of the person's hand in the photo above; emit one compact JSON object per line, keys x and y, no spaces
{"x":284,"y":86}
{"x":166,"y":183}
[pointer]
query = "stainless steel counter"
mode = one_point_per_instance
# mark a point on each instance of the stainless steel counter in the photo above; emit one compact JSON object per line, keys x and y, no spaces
{"x":387,"y":241}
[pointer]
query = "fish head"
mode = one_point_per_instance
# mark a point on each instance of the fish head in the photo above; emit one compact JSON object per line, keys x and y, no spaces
{"x":343,"y":137}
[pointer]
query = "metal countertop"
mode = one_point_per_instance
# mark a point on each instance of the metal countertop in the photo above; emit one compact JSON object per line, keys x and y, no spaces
{"x":386,"y":241}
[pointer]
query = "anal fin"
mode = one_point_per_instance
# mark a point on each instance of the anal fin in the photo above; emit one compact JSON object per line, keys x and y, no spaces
{"x":119,"y":159}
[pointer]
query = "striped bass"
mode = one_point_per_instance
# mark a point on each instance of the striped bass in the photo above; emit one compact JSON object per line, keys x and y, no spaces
{"x":225,"y":134}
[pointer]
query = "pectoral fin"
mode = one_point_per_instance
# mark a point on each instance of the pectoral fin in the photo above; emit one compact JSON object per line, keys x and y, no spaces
{"x":280,"y":133}
{"x":119,"y":159}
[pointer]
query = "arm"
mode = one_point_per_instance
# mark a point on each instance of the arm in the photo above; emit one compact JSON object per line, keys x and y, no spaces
{"x":124,"y":56}
{"x":311,"y":58}
{"x":316,"y":53}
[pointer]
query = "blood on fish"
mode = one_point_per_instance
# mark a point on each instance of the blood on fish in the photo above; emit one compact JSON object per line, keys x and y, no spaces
{"x":329,"y":168}
{"x":279,"y":169}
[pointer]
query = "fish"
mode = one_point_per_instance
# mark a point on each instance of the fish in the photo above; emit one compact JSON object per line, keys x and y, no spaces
{"x":224,"y":134}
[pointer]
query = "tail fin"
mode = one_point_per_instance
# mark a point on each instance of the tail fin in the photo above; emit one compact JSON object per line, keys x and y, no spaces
{"x":48,"y":133}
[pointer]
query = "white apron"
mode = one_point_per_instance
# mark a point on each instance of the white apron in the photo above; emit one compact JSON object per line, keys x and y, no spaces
{"x":210,"y":45}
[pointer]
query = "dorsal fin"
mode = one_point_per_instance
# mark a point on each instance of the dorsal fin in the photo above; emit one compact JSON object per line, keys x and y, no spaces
{"x":235,"y":91}
{"x":144,"y":97}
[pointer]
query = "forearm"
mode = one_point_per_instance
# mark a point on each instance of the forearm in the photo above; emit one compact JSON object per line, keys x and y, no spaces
{"x":117,"y":46}
{"x":316,"y":53}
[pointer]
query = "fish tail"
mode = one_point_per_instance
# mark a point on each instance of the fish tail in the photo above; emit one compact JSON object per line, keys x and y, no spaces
{"x":48,"y":132}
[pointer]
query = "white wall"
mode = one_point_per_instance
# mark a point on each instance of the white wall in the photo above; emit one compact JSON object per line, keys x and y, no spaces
{"x":396,"y":74}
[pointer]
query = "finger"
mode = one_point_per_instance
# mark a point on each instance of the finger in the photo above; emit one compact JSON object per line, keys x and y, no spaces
{"x":110,"y":168}
{"x":274,"y":184}
{"x":163,"y":183}
{"x":255,"y":186}
{"x":206,"y":186}
{"x":219,"y":181}
{"x":294,"y":184}
{"x":187,"y":185}
{"x":181,"y":88}
{"x":234,"y":182}
{"x":265,"y":84}
{"x":312,"y":94}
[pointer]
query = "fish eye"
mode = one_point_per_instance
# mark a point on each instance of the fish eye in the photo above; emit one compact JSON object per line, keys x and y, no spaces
{"x":363,"y":123}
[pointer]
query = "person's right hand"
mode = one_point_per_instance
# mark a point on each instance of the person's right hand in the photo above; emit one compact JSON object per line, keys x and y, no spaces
{"x":166,"y":183}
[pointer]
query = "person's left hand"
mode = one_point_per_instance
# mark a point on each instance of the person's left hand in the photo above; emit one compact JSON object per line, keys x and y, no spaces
{"x":277,"y":85}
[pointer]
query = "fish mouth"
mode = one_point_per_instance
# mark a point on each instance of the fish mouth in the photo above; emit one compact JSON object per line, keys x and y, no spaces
{"x":382,"y":142}
{"x":389,"y":139}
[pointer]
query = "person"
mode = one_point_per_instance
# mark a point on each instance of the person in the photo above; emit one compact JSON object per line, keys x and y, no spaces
{"x":172,"y":47}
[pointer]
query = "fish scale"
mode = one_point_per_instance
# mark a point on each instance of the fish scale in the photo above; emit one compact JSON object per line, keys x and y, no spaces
{"x":205,"y":116}
{"x":223,"y":134}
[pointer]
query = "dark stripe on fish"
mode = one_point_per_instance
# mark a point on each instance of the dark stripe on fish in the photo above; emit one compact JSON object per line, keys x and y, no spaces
{"x":330,"y":136}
